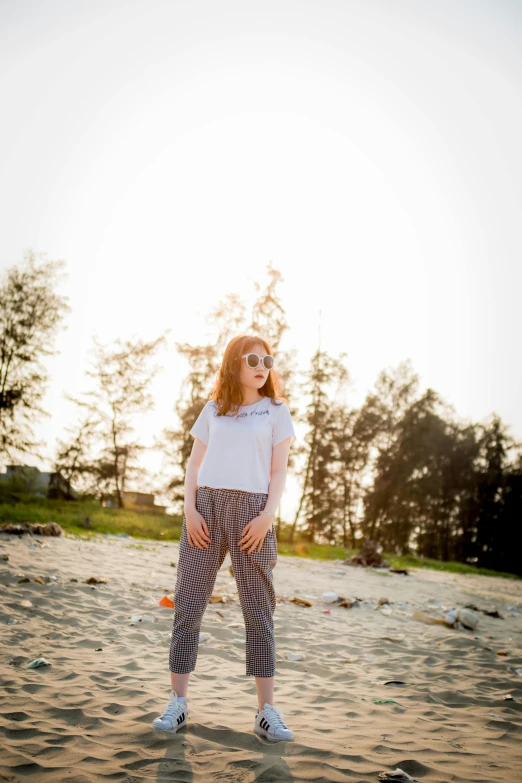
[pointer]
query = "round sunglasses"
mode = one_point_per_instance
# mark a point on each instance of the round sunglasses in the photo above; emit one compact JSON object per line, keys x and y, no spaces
{"x":253,"y":360}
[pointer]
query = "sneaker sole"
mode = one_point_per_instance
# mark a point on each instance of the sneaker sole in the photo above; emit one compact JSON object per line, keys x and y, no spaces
{"x":262,"y":733}
{"x":173,"y":730}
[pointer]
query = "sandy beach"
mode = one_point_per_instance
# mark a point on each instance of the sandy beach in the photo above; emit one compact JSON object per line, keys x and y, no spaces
{"x":87,"y":716}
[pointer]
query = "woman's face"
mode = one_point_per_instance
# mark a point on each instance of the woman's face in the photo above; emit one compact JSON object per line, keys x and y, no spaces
{"x":253,"y":378}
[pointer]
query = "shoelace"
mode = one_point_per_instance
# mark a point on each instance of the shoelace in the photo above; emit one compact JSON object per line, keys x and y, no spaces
{"x":173,"y":710}
{"x":276,"y":718}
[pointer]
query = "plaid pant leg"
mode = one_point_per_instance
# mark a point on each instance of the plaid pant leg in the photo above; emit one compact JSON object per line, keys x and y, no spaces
{"x":254,"y":580}
{"x":196,"y":576}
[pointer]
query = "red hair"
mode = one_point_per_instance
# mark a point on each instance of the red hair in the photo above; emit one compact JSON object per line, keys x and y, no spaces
{"x":227,"y":391}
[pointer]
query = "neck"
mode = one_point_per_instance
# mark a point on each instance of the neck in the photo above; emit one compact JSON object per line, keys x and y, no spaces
{"x":251,"y":396}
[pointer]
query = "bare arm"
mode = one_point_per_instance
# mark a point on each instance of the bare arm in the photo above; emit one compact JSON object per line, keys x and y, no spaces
{"x":278,"y":471}
{"x":191,"y":474}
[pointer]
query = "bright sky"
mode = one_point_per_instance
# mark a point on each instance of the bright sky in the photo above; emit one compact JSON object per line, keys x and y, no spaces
{"x":168,"y":151}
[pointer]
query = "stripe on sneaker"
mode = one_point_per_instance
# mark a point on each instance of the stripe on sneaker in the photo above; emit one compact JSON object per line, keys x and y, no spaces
{"x":264,"y":724}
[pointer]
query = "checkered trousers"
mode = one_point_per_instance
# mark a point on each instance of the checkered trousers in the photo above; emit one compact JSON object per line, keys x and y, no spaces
{"x":226,"y":512}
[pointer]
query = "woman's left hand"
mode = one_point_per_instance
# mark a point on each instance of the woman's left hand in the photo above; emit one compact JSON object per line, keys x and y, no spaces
{"x":254,"y":533}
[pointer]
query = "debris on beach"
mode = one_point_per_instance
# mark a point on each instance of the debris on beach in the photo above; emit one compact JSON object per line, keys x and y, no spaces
{"x":369,"y":555}
{"x":165,"y":601}
{"x":385,"y":701}
{"x":221,"y":598}
{"x":37,"y":662}
{"x":204,"y":637}
{"x":398,"y":776}
{"x":300,"y":601}
{"x":138,"y":618}
{"x":295,"y":656}
{"x":21,"y":528}
{"x":455,"y":618}
{"x":26,"y":603}
{"x":4,"y":557}
{"x":489,"y":612}
{"x":384,"y":606}
{"x":348,"y":604}
{"x":330,"y":597}
{"x":95,"y":580}
{"x":467,"y":619}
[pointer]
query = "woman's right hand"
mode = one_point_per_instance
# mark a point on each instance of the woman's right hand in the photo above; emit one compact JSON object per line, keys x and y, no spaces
{"x":197,"y":530}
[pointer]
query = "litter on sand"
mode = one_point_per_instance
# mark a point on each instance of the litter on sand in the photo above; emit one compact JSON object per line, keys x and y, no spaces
{"x":138,"y":618}
{"x":398,"y":776}
{"x":385,"y":701}
{"x":165,"y":601}
{"x":330,"y":597}
{"x":37,"y":662}
{"x":455,"y":618}
{"x":224,"y":598}
{"x":489,"y":612}
{"x":95,"y":580}
{"x":350,"y":604}
{"x":300,"y":601}
{"x":295,"y":656}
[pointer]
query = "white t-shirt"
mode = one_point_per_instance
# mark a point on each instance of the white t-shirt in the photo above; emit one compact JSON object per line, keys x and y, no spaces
{"x":239,"y":446}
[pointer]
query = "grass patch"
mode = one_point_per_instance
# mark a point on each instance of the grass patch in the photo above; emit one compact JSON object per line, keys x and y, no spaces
{"x":166,"y":527}
{"x":71,"y":515}
{"x":410,"y":561}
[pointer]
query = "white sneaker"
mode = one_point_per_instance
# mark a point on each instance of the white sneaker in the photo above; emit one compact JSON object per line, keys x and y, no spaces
{"x":269,"y":724}
{"x":174,"y":717}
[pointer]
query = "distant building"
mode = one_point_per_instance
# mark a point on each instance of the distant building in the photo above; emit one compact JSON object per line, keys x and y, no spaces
{"x":26,"y":478}
{"x":141,"y":501}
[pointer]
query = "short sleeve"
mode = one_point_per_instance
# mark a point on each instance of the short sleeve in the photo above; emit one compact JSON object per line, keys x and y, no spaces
{"x":200,"y":426}
{"x":284,"y":427}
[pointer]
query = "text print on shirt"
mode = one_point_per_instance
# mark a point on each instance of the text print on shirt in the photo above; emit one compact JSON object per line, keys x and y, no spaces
{"x":239,"y":445}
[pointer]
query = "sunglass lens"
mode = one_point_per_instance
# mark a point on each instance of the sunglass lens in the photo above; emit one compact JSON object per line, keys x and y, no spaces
{"x":252,"y":360}
{"x":268,"y":362}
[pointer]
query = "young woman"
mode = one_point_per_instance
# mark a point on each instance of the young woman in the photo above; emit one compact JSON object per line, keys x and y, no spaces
{"x":234,"y":480}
